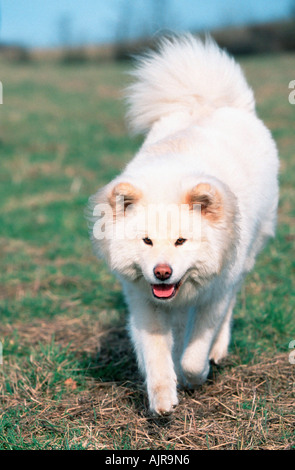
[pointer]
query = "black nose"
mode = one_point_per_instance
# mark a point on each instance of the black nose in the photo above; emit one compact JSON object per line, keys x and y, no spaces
{"x":163,"y":271}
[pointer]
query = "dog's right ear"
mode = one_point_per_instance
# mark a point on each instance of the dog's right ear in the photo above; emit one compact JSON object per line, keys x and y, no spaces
{"x":209,"y":198}
{"x":122,"y":196}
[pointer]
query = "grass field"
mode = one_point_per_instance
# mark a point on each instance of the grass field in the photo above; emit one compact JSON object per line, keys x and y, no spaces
{"x":69,"y":378}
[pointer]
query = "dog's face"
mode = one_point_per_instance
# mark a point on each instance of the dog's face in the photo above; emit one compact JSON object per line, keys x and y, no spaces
{"x":168,"y":249}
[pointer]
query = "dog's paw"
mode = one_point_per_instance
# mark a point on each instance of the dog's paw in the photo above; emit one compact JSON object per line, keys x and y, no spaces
{"x":162,"y":400}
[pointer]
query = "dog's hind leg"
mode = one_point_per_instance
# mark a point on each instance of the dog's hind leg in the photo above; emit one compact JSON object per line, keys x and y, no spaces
{"x":220,"y":346}
{"x":203,"y":326}
{"x":179,"y":321}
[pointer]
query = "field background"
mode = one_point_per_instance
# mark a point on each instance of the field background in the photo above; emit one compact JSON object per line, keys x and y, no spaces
{"x":69,"y":378}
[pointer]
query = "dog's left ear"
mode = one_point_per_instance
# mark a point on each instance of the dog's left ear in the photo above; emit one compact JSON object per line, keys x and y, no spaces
{"x":209,"y":198}
{"x":122,"y":196}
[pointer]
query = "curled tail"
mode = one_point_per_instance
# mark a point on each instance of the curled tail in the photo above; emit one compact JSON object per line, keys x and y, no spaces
{"x":185,"y":75}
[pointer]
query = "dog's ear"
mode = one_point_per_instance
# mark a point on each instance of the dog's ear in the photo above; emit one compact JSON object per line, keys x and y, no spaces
{"x":122,"y":196}
{"x":209,"y":198}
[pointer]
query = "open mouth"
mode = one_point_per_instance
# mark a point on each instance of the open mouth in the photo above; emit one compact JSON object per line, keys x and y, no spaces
{"x":165,"y":291}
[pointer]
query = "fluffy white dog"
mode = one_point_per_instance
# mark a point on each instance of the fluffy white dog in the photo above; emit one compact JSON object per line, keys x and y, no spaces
{"x":182,"y":224}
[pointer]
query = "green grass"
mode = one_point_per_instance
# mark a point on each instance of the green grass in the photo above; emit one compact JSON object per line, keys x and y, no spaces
{"x":62,"y":136}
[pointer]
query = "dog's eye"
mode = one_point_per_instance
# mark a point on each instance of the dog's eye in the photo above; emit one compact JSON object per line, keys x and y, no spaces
{"x":147,"y":241}
{"x":180,"y":241}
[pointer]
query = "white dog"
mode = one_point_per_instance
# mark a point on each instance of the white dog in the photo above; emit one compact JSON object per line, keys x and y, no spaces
{"x":205,"y":149}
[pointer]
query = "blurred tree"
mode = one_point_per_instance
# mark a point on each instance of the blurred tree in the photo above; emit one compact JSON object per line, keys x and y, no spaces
{"x":160,"y":15}
{"x":124,"y":25}
{"x":144,"y":22}
{"x":138,"y":22}
{"x":65,"y":29}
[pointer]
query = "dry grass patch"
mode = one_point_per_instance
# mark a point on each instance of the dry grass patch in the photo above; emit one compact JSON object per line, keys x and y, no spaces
{"x":102,"y":401}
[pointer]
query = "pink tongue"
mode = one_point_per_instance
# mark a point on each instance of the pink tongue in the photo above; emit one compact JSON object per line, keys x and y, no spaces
{"x":163,"y":290}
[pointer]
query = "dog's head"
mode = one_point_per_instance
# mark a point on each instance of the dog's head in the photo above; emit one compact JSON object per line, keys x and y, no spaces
{"x":170,"y":242}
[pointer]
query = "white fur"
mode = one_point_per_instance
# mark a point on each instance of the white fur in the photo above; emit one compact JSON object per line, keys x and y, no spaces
{"x":202,"y":128}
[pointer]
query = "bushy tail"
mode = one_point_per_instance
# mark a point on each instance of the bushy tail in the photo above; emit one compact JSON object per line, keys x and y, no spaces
{"x":187,"y":75}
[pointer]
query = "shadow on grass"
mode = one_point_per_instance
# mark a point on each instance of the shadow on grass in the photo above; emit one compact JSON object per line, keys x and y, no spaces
{"x":115,"y":360}
{"x":115,"y":365}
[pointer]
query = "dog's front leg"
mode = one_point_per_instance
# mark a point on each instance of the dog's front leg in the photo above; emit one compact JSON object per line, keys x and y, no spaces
{"x":151,"y":333}
{"x":202,"y":330}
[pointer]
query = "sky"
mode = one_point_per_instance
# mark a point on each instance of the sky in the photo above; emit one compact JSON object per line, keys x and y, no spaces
{"x":50,"y":23}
